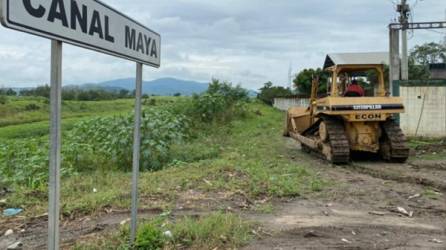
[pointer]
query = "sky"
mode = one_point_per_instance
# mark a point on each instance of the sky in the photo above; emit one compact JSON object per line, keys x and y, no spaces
{"x":247,"y":42}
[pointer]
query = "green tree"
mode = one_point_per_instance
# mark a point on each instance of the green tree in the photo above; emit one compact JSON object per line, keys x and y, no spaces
{"x":43,"y":91}
{"x":69,"y":94}
{"x":268,"y":92}
{"x":423,"y":55}
{"x":428,"y":53}
{"x":418,"y":71}
{"x":303,"y":80}
{"x":10,"y":92}
{"x":225,"y":89}
{"x":221,"y":102}
{"x":124,"y":93}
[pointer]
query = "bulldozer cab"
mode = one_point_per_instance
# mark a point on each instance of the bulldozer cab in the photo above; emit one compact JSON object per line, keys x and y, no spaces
{"x":342,"y":76}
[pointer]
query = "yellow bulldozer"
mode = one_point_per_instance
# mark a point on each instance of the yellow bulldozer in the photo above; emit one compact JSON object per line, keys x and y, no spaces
{"x":340,"y":124}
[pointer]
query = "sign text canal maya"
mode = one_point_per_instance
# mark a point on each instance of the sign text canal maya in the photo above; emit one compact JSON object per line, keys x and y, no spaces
{"x":87,"y":23}
{"x":97,"y":27}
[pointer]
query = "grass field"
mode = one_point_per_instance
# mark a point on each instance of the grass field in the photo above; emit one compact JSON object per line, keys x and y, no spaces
{"x":23,"y":117}
{"x":251,"y":159}
{"x":245,"y":156}
{"x":23,"y":110}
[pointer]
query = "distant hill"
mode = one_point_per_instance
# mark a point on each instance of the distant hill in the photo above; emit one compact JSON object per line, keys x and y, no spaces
{"x":162,"y":86}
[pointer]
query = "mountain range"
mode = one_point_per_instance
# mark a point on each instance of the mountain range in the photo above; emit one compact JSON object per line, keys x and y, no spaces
{"x":161,"y":87}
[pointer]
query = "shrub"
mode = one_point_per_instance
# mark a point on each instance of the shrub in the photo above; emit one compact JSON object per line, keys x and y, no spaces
{"x":32,"y":107}
{"x":112,"y":137}
{"x":221,"y":102}
{"x":210,"y":107}
{"x":26,"y":162}
{"x":3,"y":99}
{"x":102,"y":142}
{"x":149,"y":101}
{"x":219,"y":230}
{"x":150,"y":237}
{"x":231,"y":93}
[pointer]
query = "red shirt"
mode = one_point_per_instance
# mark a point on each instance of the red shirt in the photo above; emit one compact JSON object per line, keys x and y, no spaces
{"x":355,"y":89}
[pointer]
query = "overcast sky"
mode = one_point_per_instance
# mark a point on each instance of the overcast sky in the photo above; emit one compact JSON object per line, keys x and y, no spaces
{"x":243,"y":41}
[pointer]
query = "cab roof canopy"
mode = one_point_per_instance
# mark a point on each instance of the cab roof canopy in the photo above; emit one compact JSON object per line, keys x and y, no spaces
{"x":367,"y":59}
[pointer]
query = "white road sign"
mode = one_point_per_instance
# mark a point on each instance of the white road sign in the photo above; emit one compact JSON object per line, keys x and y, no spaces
{"x":87,"y":23}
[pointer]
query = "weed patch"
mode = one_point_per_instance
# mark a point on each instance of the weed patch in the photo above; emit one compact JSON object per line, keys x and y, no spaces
{"x":215,"y":231}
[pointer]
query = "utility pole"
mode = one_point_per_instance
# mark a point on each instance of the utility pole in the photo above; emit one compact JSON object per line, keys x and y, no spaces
{"x":404,"y":10}
{"x":290,"y":80}
{"x":396,"y":65}
{"x":445,"y":33}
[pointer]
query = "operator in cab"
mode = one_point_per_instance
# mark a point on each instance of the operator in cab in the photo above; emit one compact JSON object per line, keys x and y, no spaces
{"x":354,"y":90}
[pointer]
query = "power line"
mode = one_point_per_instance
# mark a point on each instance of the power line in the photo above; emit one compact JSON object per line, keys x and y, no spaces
{"x":438,"y":32}
{"x":445,"y":34}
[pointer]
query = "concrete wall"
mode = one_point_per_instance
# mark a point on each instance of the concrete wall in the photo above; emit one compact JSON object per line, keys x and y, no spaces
{"x":426,"y":106}
{"x":286,"y":103}
{"x":438,"y":74}
{"x":431,"y":115}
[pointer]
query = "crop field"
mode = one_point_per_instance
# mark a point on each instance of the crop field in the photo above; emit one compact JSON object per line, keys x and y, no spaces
{"x":183,"y":151}
{"x":216,"y":174}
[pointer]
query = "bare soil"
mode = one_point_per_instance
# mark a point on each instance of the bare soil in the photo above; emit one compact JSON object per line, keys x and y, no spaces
{"x":360,"y":209}
{"x":32,"y":232}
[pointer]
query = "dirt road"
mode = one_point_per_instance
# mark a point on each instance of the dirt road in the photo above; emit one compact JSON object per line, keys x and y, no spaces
{"x":367,"y":205}
{"x":364,"y":208}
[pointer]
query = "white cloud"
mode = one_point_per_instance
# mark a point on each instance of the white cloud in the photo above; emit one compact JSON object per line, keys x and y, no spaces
{"x":248,"y":42}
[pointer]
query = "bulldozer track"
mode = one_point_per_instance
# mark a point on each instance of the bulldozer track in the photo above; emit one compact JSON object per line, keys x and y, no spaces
{"x":340,"y":147}
{"x":396,"y":140}
{"x":337,"y":142}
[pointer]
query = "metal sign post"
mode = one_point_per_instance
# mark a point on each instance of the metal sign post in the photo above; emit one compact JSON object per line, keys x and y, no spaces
{"x":136,"y":152}
{"x":55,"y":143}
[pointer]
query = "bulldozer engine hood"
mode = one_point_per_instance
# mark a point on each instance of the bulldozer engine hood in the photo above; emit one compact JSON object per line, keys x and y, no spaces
{"x":358,"y":107}
{"x":360,"y":104}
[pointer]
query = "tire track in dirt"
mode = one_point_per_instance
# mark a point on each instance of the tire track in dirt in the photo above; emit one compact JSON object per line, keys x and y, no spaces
{"x":429,"y":175}
{"x":312,"y":225}
{"x":357,"y":211}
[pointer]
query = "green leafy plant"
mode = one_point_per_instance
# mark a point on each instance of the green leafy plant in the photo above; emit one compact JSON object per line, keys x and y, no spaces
{"x":32,"y":107}
{"x":150,"y":237}
{"x":221,"y":102}
{"x":3,"y":99}
{"x":105,"y":142}
{"x":112,"y":137}
{"x":26,"y":162}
